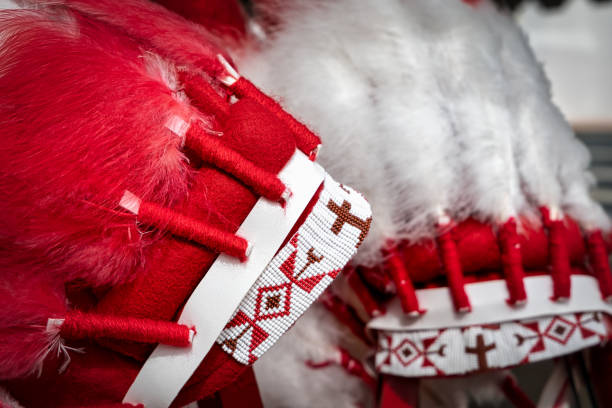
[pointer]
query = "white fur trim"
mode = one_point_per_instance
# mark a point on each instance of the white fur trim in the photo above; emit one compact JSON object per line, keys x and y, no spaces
{"x":421,"y":117}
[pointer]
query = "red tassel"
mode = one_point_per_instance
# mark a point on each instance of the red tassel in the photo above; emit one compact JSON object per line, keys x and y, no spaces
{"x":514,"y":393}
{"x":363,"y":293}
{"x":187,"y":227}
{"x":512,"y":262}
{"x":77,"y":325}
{"x":558,"y":256}
{"x":405,"y":290}
{"x":345,"y":315}
{"x":350,"y":364}
{"x":598,"y":258}
{"x":306,"y":140}
{"x":212,"y":150}
{"x":203,"y":96}
{"x":454,"y":273}
{"x":356,"y":368}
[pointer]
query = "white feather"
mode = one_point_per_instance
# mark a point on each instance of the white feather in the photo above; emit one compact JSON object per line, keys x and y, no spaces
{"x":285,"y":380}
{"x":554,"y":163}
{"x":425,"y":105}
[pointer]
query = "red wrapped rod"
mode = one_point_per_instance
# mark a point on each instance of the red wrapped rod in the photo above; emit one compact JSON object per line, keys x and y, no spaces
{"x":77,"y":325}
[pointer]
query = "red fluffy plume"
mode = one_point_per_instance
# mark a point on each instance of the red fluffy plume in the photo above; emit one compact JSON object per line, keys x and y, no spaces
{"x":35,"y":320}
{"x":154,"y":26}
{"x":26,"y":302}
{"x":80,"y":125}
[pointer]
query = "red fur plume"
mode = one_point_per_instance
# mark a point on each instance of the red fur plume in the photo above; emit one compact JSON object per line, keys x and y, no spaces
{"x":82,"y":118}
{"x":26,"y":302}
{"x":155,"y":26}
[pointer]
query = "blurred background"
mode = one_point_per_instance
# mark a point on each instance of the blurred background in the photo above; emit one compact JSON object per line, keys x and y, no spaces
{"x":573,"y":40}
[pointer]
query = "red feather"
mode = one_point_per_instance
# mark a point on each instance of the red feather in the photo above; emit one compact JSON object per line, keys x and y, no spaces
{"x":82,"y":119}
{"x":26,"y":302}
{"x":155,"y":26}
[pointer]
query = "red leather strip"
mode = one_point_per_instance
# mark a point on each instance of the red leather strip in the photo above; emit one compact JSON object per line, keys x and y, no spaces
{"x":405,"y":290}
{"x":600,"y":264}
{"x":454,"y":273}
{"x":512,"y":262}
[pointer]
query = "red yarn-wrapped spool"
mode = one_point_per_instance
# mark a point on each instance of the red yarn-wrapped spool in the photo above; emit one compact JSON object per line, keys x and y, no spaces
{"x":212,"y":150}
{"x":306,"y":140}
{"x":192,"y":229}
{"x":512,"y":262}
{"x":77,"y":325}
{"x":454,"y":274}
{"x":405,"y":290}
{"x":203,"y":96}
{"x":598,"y":258}
{"x":370,"y":304}
{"x":558,"y":255}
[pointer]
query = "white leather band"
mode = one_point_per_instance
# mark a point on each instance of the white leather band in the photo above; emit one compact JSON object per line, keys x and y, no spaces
{"x":489,"y":306}
{"x":220,"y":292}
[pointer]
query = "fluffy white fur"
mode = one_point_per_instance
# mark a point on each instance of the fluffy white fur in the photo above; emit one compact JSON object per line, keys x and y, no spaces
{"x":282,"y":372}
{"x":431,"y":104}
{"x":7,"y":400}
{"x":285,"y":380}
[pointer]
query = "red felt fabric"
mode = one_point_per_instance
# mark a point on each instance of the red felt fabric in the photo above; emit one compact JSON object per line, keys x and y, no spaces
{"x":174,"y":267}
{"x":216,"y":15}
{"x":600,"y":264}
{"x":484,"y":254}
{"x":479,"y":250}
{"x":306,"y":140}
{"x":243,"y":392}
{"x":398,"y":392}
{"x":213,"y":150}
{"x":512,"y":263}
{"x":95,"y":377}
{"x":453,"y":270}
{"x":403,"y":284}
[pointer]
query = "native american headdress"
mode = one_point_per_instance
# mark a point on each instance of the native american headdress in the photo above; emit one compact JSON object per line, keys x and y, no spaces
{"x":486,"y":250}
{"x":150,"y":194}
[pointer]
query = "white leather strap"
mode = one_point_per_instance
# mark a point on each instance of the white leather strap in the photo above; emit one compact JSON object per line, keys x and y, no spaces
{"x":489,"y":305}
{"x":220,"y":292}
